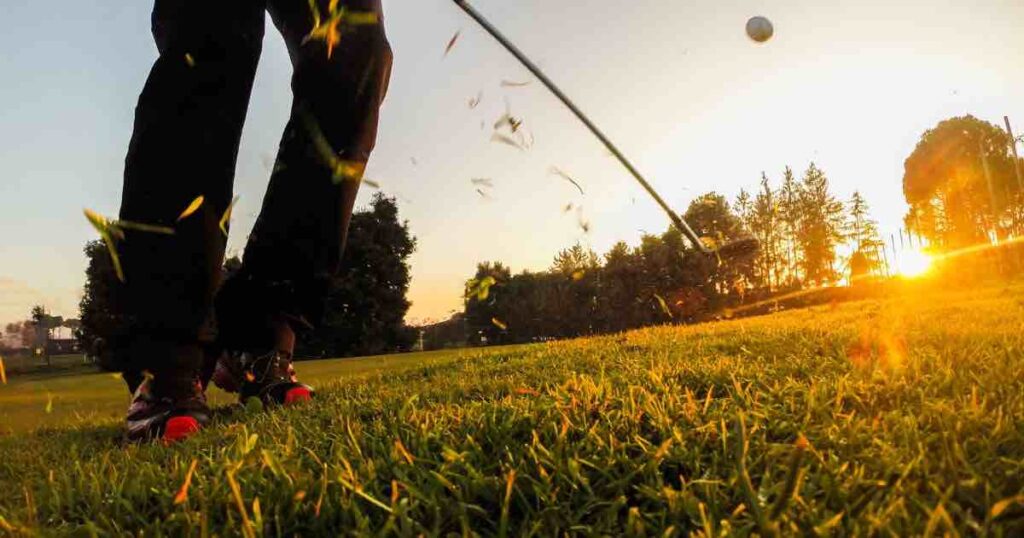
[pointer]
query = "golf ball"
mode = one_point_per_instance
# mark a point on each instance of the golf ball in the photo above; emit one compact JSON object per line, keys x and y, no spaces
{"x":760,"y":29}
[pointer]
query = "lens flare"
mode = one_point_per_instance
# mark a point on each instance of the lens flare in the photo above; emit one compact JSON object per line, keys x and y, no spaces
{"x":914,"y":263}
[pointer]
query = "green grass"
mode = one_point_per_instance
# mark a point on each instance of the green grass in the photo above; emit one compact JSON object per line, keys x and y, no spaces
{"x":69,"y":397}
{"x":912,"y":408}
{"x":29,"y":364}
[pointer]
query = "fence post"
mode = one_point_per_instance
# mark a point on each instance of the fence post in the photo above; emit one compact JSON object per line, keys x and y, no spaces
{"x":1016,"y":159}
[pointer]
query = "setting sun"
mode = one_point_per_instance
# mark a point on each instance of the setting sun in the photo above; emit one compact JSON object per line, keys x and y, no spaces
{"x":915,"y":263}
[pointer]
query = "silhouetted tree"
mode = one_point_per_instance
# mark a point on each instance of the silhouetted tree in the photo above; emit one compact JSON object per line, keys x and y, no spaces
{"x":94,"y":310}
{"x":448,"y":333}
{"x":960,"y":183}
{"x":577,"y":289}
{"x":711,"y":217}
{"x":821,"y":227}
{"x":863,"y":235}
{"x":366,"y":303}
{"x":575,"y":260}
{"x":764,"y":225}
{"x":43,"y":325}
{"x":490,"y":304}
{"x":789,"y":225}
{"x":622,"y":285}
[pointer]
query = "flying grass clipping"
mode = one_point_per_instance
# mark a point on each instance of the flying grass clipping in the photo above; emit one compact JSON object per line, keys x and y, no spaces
{"x":192,"y":208}
{"x":112,"y":231}
{"x":330,"y":29}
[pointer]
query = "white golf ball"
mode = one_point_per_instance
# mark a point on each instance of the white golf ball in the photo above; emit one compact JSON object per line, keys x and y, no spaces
{"x":760,"y":29}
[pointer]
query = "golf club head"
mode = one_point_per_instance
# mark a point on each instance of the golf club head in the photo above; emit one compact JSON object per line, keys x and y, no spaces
{"x":741,"y":248}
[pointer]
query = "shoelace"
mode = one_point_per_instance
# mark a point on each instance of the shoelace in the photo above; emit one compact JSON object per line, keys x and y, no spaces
{"x":271,"y":366}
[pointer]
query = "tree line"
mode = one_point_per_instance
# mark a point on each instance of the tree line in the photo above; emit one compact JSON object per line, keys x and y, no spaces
{"x":801,"y":224}
{"x":962,"y":183}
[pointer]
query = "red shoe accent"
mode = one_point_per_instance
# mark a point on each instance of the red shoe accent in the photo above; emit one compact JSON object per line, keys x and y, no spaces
{"x":179,"y":428}
{"x":296,"y":395}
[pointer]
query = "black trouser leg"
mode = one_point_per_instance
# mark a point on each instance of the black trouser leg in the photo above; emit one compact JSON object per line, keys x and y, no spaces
{"x":297,"y":242}
{"x":188,"y":123}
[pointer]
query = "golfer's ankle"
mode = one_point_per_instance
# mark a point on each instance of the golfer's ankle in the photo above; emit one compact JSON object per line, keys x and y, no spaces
{"x":175,"y":375}
{"x":284,"y":337}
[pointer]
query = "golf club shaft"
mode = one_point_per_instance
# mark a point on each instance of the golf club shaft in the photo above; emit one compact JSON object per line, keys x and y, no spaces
{"x":529,"y":65}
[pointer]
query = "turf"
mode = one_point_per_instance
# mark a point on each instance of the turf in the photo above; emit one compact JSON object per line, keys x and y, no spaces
{"x":71,"y":397}
{"x":888,"y":417}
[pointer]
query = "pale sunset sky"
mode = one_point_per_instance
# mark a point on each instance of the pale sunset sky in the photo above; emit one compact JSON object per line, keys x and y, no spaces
{"x":697,"y":106}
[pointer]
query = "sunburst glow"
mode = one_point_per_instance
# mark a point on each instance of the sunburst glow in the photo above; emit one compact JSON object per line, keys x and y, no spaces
{"x":914,"y":263}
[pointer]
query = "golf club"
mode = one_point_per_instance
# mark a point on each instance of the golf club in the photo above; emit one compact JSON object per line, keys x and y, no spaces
{"x":730,"y":250}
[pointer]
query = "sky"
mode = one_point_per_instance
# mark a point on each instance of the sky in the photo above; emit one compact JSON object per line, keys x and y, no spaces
{"x":694,"y":103}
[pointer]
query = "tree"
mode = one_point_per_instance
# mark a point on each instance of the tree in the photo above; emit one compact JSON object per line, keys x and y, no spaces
{"x":365,"y":305}
{"x":96,"y":315}
{"x":576,"y":290}
{"x":711,"y":217}
{"x":575,"y":260}
{"x":960,"y":183}
{"x":12,"y":334}
{"x":789,"y":225}
{"x":487,"y":300}
{"x":39,"y":321}
{"x":28,"y":334}
{"x":661,"y":265}
{"x":743,"y":206}
{"x":764,"y":224}
{"x":863,"y":233}
{"x":621,"y":290}
{"x":671,"y":274}
{"x":366,"y":302}
{"x":43,"y":325}
{"x":821,"y":227}
{"x":448,"y":333}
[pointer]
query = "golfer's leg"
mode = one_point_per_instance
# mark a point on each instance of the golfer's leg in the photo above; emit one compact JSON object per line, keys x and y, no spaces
{"x":296,"y":244}
{"x":185,"y":142}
